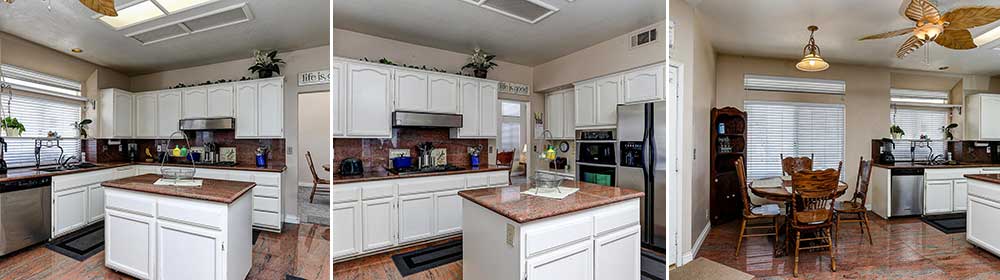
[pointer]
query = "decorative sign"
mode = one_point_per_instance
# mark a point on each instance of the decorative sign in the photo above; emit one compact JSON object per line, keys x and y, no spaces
{"x":317,"y":77}
{"x":513,"y":88}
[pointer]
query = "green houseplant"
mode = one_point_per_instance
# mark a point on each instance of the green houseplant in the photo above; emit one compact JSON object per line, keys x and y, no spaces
{"x":82,"y":127}
{"x":896,"y":131}
{"x":480,"y":62}
{"x":947,"y":131}
{"x":266,"y":64}
{"x":11,"y":126}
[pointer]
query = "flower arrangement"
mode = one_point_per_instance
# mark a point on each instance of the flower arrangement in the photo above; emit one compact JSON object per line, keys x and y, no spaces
{"x":480,"y":62}
{"x":266,"y":64}
{"x":82,"y":127}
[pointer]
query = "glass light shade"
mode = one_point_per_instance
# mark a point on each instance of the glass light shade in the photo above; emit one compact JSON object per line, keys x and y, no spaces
{"x":812,"y":63}
{"x":928,"y":32}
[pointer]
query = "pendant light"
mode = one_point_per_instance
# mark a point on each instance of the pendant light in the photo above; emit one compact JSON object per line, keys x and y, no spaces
{"x":811,"y":61}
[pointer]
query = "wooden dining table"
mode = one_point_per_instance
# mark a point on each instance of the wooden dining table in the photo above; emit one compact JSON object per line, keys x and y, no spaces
{"x":779,"y":189}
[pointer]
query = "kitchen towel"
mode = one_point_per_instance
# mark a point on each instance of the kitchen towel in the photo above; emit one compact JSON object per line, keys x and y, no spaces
{"x":178,"y":183}
{"x":562,"y":193}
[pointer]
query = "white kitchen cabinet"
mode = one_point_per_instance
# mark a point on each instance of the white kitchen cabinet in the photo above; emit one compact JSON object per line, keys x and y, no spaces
{"x":571,"y":262}
{"x":220,"y":100}
{"x":369,"y":101}
{"x":338,"y":88}
{"x":95,"y":203}
{"x":585,"y":102}
{"x":448,"y":212}
{"x":411,"y":91}
{"x":379,"y":223}
{"x":345,"y":219}
{"x":560,"y":114}
{"x":984,"y":207}
{"x":188,"y":252}
{"x":469,"y":90}
{"x":960,"y":191}
{"x":145,"y":115}
{"x":616,"y":255}
{"x":246,"y":109}
{"x":644,"y":85}
{"x":443,"y":94}
{"x":982,"y":111}
{"x":606,"y":101}
{"x":479,"y":109}
{"x":133,"y":250}
{"x":168,"y":113}
{"x":69,"y":210}
{"x":116,"y":114}
{"x":938,"y":196}
{"x":270,"y":108}
{"x":488,"y":102}
{"x":416,"y":217}
{"x":195,"y":102}
{"x":78,"y":199}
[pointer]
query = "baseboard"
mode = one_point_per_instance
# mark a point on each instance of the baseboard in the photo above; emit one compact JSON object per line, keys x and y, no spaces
{"x":689,"y":256}
{"x":292,"y":219}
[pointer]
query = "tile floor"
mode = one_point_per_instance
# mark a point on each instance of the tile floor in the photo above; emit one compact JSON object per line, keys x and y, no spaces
{"x":381,"y":267}
{"x":905,"y":248}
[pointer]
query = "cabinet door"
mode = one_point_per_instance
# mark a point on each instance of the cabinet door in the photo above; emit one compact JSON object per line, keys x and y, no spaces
{"x":220,"y":101}
{"x":606,"y":105}
{"x":569,"y":116}
{"x":644,"y":85}
{"x":960,"y":194}
{"x":369,"y":101}
{"x":130,"y":245}
{"x":379,"y":223}
{"x":411,"y":91}
{"x":443,"y":94}
{"x":145,"y":119}
{"x":123,"y":115}
{"x":95,"y":205}
{"x":270,"y":110}
{"x":990,"y":109}
{"x":448,"y":209}
{"x":338,"y":86}
{"x":416,"y":217}
{"x":246,"y":109}
{"x":188,"y":252}
{"x":572,"y":262}
{"x":168,"y":113}
{"x":584,"y":113}
{"x":616,"y":255}
{"x":554,"y":109}
{"x":470,"y":109}
{"x":194,"y":101}
{"x":69,"y":210}
{"x":938,"y":196}
{"x":488,"y":107}
{"x":345,"y":220}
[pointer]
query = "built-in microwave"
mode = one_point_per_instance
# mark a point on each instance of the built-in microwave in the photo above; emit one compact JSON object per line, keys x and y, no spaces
{"x":595,"y":147}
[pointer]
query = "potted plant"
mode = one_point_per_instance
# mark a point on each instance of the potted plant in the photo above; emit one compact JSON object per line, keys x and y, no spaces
{"x":480,"y":62}
{"x":11,"y":126}
{"x":265,"y":63}
{"x":947,"y":131}
{"x":896,"y":131}
{"x":82,"y":127}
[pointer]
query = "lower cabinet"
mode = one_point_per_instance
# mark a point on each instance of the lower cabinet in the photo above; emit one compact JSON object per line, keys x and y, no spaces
{"x":448,"y":212}
{"x":95,"y":204}
{"x":416,"y":217}
{"x":378,"y":223}
{"x":960,"y":194}
{"x":937,"y":197}
{"x":571,"y":262}
{"x":69,"y":210}
{"x":188,"y":252}
{"x":345,"y":219}
{"x":133,"y":251}
{"x":616,"y":254}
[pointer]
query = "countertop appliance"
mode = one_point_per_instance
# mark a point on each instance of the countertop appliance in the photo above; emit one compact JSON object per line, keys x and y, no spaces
{"x":907,"y":186}
{"x":885,"y":151}
{"x":207,"y":123}
{"x":351,"y":167}
{"x":415,"y":119}
{"x":643,"y":165}
{"x":25,"y":213}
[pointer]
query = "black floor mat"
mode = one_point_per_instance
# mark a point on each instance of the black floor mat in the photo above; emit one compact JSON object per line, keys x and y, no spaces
{"x":947,"y":223}
{"x":81,"y":244}
{"x":293,"y":277}
{"x":256,"y":234}
{"x":653,"y":266}
{"x":427,"y":258}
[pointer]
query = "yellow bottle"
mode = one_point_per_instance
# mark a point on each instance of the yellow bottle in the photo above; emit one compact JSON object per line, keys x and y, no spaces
{"x":177,"y":151}
{"x":550,"y":153}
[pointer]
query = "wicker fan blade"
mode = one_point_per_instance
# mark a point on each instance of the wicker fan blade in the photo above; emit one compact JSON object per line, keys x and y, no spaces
{"x":889,"y":34}
{"x":915,"y":10}
{"x":956,"y":39}
{"x":909,"y":46}
{"x":104,"y":7}
{"x":969,"y":17}
{"x":930,"y":11}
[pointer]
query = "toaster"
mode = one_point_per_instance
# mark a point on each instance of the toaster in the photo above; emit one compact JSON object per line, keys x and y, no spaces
{"x":351,"y":167}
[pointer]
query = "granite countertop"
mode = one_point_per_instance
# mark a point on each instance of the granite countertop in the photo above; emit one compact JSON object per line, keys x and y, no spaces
{"x":992,"y":178}
{"x":522,"y":208}
{"x":250,"y":167}
{"x":31,"y":172}
{"x":211,"y":190}
{"x":913,"y":165}
{"x":382,"y":174}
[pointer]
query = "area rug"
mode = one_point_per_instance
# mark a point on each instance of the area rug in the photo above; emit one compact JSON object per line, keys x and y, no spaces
{"x":427,"y":258}
{"x":652,"y":266}
{"x":947,"y":223}
{"x":702,"y":268}
{"x":81,"y":244}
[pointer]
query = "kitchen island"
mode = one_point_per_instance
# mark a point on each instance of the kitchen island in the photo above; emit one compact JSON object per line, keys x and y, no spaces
{"x":177,"y":232}
{"x":593,"y":233}
{"x":983,"y":210}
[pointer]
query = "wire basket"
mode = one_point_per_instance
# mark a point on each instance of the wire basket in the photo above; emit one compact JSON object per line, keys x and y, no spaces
{"x":546,"y":183}
{"x":176,"y":173}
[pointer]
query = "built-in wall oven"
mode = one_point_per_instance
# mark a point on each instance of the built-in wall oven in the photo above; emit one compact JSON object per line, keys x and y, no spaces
{"x":595,"y":156}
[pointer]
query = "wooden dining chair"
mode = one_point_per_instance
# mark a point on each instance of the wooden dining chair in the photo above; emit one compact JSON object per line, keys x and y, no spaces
{"x":855,"y":208}
{"x":753,"y":212}
{"x":813,"y":195}
{"x":316,"y":179}
{"x":790,"y":165}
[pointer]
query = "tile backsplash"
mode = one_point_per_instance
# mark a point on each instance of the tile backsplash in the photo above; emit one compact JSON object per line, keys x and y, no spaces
{"x":98,"y":150}
{"x":374,"y":153}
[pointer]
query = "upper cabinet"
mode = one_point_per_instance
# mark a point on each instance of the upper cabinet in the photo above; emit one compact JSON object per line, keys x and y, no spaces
{"x":116,"y":114}
{"x":246,"y":109}
{"x":220,"y":100}
{"x":982,"y":111}
{"x":443,"y":94}
{"x":145,"y":115}
{"x":338,"y":86}
{"x":559,"y":114}
{"x":195,"y":102}
{"x":168,"y":113}
{"x":478,"y":108}
{"x":369,"y":101}
{"x":606,"y":100}
{"x":424,"y":92}
{"x":644,"y":85}
{"x":260,"y":108}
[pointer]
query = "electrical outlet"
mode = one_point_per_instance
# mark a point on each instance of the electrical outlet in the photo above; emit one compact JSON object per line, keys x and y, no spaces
{"x":706,"y":214}
{"x":510,"y":235}
{"x":289,"y":150}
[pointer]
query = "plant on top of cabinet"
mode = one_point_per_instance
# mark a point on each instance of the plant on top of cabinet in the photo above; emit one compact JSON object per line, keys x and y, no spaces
{"x":82,"y":127}
{"x":266,"y":64}
{"x":12,"y":127}
{"x":480,"y":62}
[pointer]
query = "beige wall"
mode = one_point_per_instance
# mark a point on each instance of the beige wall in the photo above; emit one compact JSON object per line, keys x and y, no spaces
{"x":314,"y":119}
{"x":296,"y":62}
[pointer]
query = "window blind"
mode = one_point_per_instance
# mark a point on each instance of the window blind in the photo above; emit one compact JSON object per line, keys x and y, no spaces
{"x":918,"y":96}
{"x":915,"y":122}
{"x":42,"y":103}
{"x":791,"y":84}
{"x":792,"y":129}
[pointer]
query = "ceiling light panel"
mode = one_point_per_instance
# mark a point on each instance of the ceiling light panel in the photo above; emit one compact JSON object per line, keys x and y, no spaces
{"x":987,"y":37}
{"x":173,"y":6}
{"x":132,"y":15}
{"x":530,"y":11}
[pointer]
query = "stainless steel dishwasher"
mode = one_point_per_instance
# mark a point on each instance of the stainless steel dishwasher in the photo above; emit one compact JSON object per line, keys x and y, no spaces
{"x":907,"y":192}
{"x":25,"y":218}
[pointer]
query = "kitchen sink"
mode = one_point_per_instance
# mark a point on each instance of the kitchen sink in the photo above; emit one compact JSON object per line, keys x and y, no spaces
{"x":65,"y":168}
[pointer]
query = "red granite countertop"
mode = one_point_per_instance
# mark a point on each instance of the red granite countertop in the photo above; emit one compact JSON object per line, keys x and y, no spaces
{"x":992,"y":178}
{"x":522,"y":208}
{"x":212,"y":190}
{"x":381,"y":174}
{"x":913,"y":165}
{"x":269,"y":168}
{"x":31,"y":172}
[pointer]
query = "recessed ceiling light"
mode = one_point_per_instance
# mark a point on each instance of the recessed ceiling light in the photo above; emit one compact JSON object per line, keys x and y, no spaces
{"x":76,"y":50}
{"x":173,"y":6}
{"x":137,"y":13}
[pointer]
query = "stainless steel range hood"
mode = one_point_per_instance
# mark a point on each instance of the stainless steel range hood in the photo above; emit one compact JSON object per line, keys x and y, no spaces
{"x":414,"y":119}
{"x":208,"y":123}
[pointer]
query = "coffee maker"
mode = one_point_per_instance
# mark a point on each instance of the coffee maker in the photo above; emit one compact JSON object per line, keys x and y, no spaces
{"x":885,"y":151}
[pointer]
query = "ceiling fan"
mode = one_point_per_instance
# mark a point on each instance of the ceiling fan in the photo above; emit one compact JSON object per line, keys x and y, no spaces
{"x":950,"y":30}
{"x":104,"y":7}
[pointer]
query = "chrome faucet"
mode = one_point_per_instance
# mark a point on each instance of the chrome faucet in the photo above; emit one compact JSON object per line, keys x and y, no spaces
{"x":65,"y":163}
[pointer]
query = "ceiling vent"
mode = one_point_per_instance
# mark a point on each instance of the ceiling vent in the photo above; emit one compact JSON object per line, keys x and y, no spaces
{"x":215,"y":19}
{"x":530,"y":11}
{"x":643,"y":37}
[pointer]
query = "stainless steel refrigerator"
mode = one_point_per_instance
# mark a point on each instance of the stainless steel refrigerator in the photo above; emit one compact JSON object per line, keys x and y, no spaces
{"x":642,"y":165}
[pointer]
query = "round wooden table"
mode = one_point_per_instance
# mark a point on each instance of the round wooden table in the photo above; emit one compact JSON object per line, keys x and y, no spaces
{"x":769,"y":191}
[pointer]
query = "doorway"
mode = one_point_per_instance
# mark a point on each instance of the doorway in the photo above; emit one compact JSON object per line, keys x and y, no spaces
{"x":513,"y":146}
{"x":674,"y":147}
{"x":314,"y":130}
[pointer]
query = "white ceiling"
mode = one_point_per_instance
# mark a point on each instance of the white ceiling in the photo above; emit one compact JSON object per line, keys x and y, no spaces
{"x":777,"y":28}
{"x":282,"y":25}
{"x":460,"y":27}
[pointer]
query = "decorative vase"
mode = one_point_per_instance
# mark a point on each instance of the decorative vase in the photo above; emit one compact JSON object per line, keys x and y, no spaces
{"x":263,"y":74}
{"x":896,"y":135}
{"x":12,"y":132}
{"x":480,"y":73}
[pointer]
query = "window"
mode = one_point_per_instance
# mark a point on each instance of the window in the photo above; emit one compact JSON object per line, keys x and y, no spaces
{"x":792,"y":129}
{"x":42,"y":103}
{"x":510,"y":134}
{"x":916,"y":121}
{"x":897,"y":95}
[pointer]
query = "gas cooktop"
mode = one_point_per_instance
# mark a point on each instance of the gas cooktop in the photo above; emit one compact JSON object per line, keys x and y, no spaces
{"x":428,"y":169}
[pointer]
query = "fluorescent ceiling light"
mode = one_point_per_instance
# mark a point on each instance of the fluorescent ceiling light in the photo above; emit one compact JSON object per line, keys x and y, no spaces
{"x":137,"y":13}
{"x":987,"y":37}
{"x":173,"y":6}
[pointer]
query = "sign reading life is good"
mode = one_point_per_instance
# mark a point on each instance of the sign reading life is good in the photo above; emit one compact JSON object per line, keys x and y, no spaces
{"x":317,"y":77}
{"x":513,"y":88}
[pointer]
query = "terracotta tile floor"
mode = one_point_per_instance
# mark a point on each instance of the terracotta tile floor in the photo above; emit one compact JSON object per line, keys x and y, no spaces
{"x":300,"y":250}
{"x":381,"y":267}
{"x":905,"y":248}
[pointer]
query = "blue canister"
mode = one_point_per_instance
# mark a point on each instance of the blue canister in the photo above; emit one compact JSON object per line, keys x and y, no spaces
{"x":261,"y":160}
{"x":474,"y":161}
{"x":722,"y":128}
